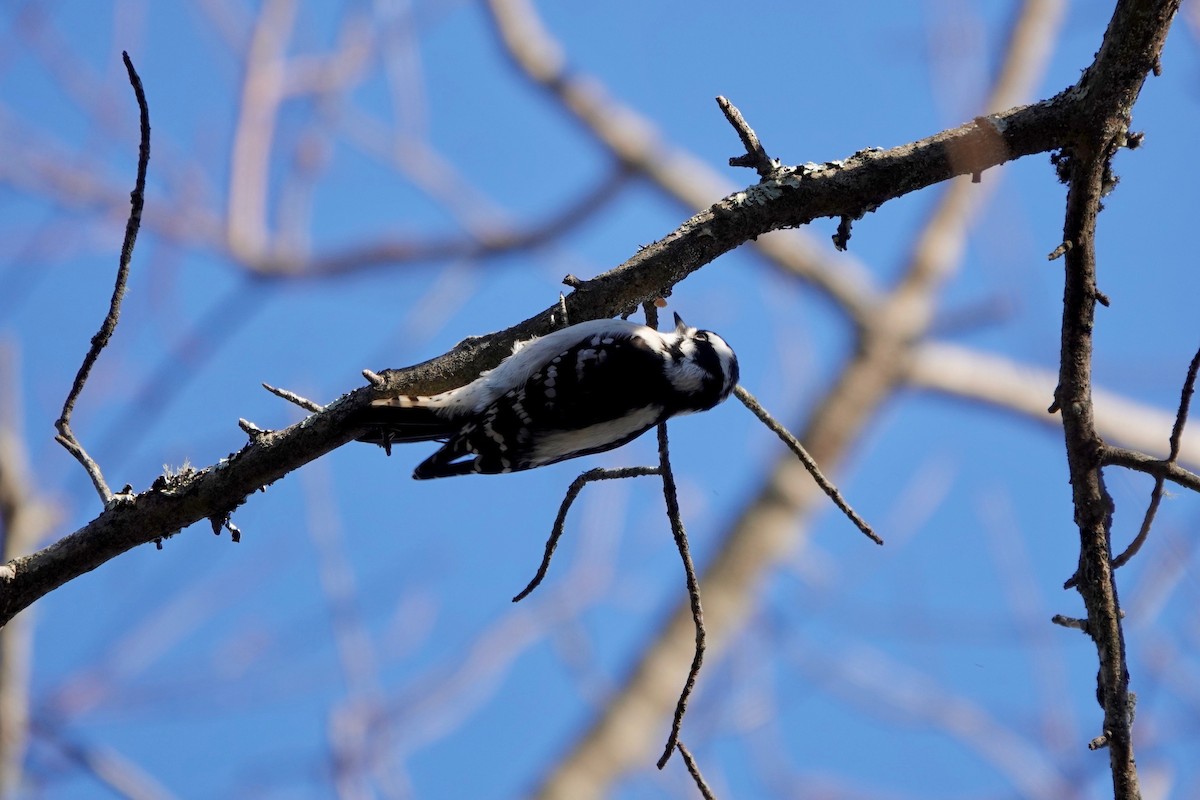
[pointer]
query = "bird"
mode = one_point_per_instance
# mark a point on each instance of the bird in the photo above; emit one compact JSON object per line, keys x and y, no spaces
{"x":585,"y":388}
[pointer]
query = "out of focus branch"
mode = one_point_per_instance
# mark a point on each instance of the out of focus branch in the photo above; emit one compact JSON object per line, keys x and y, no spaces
{"x":256,"y":225}
{"x":1025,"y":390}
{"x":24,"y":519}
{"x":110,"y":768}
{"x":881,"y":682}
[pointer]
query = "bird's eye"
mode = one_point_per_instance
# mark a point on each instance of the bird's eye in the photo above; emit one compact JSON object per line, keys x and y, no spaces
{"x":702,"y":336}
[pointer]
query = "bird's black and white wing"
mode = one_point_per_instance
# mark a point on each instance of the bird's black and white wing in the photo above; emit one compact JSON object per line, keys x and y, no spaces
{"x":584,"y":389}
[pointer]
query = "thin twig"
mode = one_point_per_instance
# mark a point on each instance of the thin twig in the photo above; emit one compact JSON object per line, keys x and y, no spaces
{"x":670,"y":493}
{"x":1157,"y":468}
{"x":294,"y":398}
{"x":755,"y":156}
{"x":749,"y":401}
{"x":137,"y":199}
{"x":694,"y":769}
{"x":598,"y":474}
{"x":253,"y":431}
{"x":1070,"y":622}
{"x":1156,"y":499}
{"x":1185,"y":400}
{"x":1060,"y":251}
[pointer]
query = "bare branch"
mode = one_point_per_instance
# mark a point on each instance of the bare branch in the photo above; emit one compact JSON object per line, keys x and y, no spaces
{"x":670,"y":493}
{"x":1070,"y":622}
{"x":1185,"y":401}
{"x":137,"y":199}
{"x":1166,"y":470}
{"x":694,"y":769}
{"x":755,"y":157}
{"x":1109,"y":88}
{"x":1189,"y":385}
{"x":750,"y":402}
{"x":292,"y":397}
{"x":175,"y":502}
{"x":1093,"y":504}
{"x":251,"y":430}
{"x":592,"y":475}
{"x":1059,"y":251}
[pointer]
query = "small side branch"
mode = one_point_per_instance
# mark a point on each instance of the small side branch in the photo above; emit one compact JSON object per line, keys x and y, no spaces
{"x":1185,"y":402}
{"x":1161,"y":470}
{"x":670,"y":493}
{"x":137,"y":198}
{"x":755,"y":157}
{"x":250,"y":429}
{"x":1164,"y":470}
{"x":294,"y":398}
{"x":592,"y":475}
{"x":750,"y":402}
{"x":841,"y":238}
{"x":694,"y":769}
{"x":1070,"y":622}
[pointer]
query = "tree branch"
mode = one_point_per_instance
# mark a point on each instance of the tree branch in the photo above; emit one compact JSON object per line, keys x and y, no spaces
{"x":1159,"y":468}
{"x":671,"y":496}
{"x":137,"y":199}
{"x":556,"y":532}
{"x":1107,"y":91}
{"x":1156,"y":494}
{"x":793,"y":444}
{"x":755,"y":156}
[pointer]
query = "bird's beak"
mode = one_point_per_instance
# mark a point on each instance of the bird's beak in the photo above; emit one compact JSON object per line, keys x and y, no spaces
{"x":680,"y":325}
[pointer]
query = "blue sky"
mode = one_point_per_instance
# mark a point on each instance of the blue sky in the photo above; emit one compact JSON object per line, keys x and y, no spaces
{"x":223,"y":670}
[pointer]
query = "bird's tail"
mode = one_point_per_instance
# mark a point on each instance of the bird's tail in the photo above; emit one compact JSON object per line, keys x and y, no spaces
{"x":400,"y":420}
